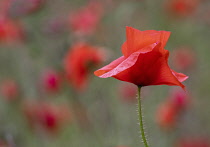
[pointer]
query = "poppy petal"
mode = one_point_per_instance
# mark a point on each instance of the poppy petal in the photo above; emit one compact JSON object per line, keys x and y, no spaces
{"x":109,"y":67}
{"x":122,"y":63}
{"x":180,"y":76}
{"x":151,"y":69}
{"x":137,"y":40}
{"x":166,"y":76}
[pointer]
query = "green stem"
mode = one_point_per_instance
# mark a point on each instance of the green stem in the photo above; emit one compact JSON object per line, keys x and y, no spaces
{"x":141,"y":125}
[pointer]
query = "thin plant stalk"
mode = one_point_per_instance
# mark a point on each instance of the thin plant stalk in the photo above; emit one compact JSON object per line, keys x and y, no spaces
{"x":141,"y":125}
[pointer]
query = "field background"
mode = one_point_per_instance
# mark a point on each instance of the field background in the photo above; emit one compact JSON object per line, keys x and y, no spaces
{"x":111,"y":121}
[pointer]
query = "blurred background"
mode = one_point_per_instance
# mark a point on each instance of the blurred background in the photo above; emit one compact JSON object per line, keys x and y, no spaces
{"x":49,"y":96}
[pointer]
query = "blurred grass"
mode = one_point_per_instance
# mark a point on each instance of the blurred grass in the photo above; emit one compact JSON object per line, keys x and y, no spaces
{"x":114,"y":122}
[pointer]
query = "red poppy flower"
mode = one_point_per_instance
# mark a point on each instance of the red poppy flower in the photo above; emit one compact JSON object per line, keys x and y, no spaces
{"x":46,"y":116}
{"x":182,"y":7}
{"x":10,"y":31}
{"x":169,"y":112}
{"x":9,"y":89}
{"x":85,"y":20}
{"x":193,"y":142}
{"x":4,"y":6}
{"x":184,"y":58}
{"x":79,"y":61}
{"x":51,"y":81}
{"x":166,"y":115}
{"x":144,"y":61}
{"x":179,"y":99}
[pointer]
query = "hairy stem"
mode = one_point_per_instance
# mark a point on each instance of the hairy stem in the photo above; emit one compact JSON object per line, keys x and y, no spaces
{"x":141,"y":125}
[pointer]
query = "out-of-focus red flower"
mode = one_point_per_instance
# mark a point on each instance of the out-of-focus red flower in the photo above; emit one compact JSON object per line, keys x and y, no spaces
{"x":4,"y":144}
{"x":179,"y":99}
{"x":24,"y":7}
{"x":46,"y":116}
{"x":4,"y":6}
{"x":9,"y":90}
{"x":169,"y":111}
{"x":51,"y":81}
{"x":10,"y":31}
{"x":78,"y":63}
{"x":85,"y":20}
{"x":144,"y":61}
{"x":182,"y":7}
{"x":128,"y":92}
{"x":183,"y":58}
{"x":193,"y":142}
{"x":166,"y":115}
